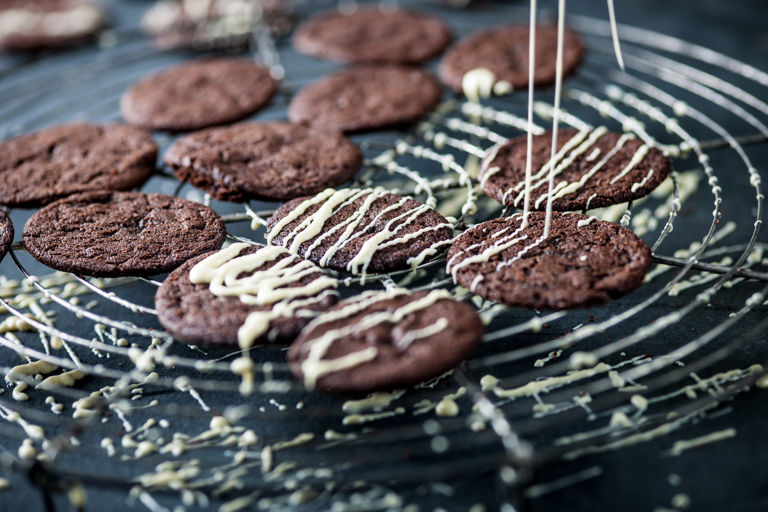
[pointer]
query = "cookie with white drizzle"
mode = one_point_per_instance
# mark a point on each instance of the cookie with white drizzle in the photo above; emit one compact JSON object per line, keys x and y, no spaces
{"x":583,"y":262}
{"x":243,"y":295}
{"x":360,"y":230}
{"x":6,"y":233}
{"x":217,"y":24}
{"x":504,"y":52}
{"x":591,"y":169}
{"x":31,"y":26}
{"x":384,"y":340}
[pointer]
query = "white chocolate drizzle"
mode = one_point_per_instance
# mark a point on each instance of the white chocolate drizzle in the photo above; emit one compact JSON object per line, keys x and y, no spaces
{"x":478,"y":84}
{"x":329,"y":203}
{"x":274,"y":286}
{"x":315,"y":366}
{"x":686,"y":444}
{"x":374,"y":402}
{"x":65,"y":379}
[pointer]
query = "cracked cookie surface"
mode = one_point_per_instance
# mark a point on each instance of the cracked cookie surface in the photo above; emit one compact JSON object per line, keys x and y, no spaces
{"x":504,"y":51}
{"x":272,"y":161}
{"x":373,"y":35}
{"x":198,"y":94}
{"x":38,"y":168}
{"x":113,"y":234}
{"x":583,"y":262}
{"x":194,"y":314}
{"x":367,"y":97}
{"x":593,"y":169}
{"x":385,"y":340}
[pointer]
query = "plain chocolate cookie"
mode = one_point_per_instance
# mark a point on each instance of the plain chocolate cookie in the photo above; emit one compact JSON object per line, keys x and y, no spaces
{"x":359,"y":230}
{"x":40,"y":167}
{"x":271,"y":161}
{"x":385,"y":340}
{"x":367,"y":98}
{"x":370,"y":34}
{"x":36,"y":25}
{"x":121,"y":233}
{"x":198,"y":94}
{"x":583,"y":262}
{"x":193,"y":314}
{"x":597,"y":168}
{"x":504,"y":51}
{"x":6,"y":233}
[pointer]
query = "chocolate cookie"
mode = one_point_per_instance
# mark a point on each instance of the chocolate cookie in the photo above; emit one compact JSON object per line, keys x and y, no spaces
{"x":213,"y":23}
{"x":198,"y":94}
{"x":385,"y":340}
{"x":593,"y":169}
{"x":198,"y":305}
{"x":583,"y":261}
{"x":359,"y":230}
{"x":367,"y":98}
{"x":121,"y":233}
{"x":504,"y":51}
{"x":272,"y":161}
{"x":6,"y":233}
{"x":370,"y":34}
{"x":40,"y":167}
{"x":35,"y":25}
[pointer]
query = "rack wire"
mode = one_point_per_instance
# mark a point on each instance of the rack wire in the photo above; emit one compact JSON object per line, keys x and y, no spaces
{"x":545,"y":386}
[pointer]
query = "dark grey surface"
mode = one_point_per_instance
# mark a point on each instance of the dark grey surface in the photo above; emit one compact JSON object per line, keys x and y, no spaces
{"x":728,"y":475}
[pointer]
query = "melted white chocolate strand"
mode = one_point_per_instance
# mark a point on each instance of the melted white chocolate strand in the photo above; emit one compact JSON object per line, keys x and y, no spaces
{"x":572,"y":149}
{"x":315,"y":366}
{"x":503,"y":243}
{"x":564,"y":189}
{"x":567,"y":159}
{"x":330,"y":202}
{"x":529,"y":133}
{"x":254,"y":282}
{"x":556,"y":116}
{"x":615,"y":35}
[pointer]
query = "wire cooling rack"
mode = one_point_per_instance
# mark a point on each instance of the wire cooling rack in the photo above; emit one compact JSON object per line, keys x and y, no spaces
{"x":164,"y":425}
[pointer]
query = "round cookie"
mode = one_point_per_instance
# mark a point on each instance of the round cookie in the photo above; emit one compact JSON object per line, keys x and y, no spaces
{"x":6,"y":233}
{"x":359,"y":230}
{"x":218,"y":24}
{"x":504,"y":51}
{"x":385,"y":340}
{"x":38,"y":168}
{"x":593,"y":169}
{"x":583,"y":262}
{"x":198,"y":94}
{"x":367,"y":98}
{"x":121,"y":233}
{"x":193,"y":313}
{"x":36,"y":25}
{"x":370,"y":34}
{"x":272,"y":161}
